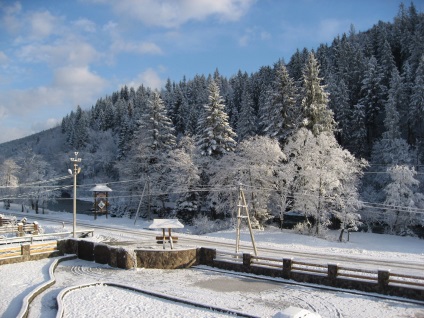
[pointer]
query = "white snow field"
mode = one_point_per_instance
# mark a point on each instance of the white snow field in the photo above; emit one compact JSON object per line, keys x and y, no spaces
{"x":203,"y":285}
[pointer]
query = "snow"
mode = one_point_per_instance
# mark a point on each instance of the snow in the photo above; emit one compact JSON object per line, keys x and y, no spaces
{"x":203,"y":285}
{"x":166,"y":224}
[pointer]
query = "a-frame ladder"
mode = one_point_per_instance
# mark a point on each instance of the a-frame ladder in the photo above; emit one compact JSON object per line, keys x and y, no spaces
{"x":242,"y":205}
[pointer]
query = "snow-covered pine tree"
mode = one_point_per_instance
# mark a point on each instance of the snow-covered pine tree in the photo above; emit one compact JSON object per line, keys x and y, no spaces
{"x":281,"y":113}
{"x":156,"y":130}
{"x":388,"y":151}
{"x":247,"y":119}
{"x":327,"y":176}
{"x":339,"y":103}
{"x":372,"y":99}
{"x":215,"y":137}
{"x":147,"y":157}
{"x":317,"y":117}
{"x":403,"y":200}
{"x":417,"y":103}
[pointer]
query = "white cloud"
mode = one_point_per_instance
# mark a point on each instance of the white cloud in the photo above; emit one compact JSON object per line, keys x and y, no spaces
{"x":67,"y":51}
{"x":149,"y":78}
{"x":10,"y":20}
{"x":43,"y":24}
{"x":139,"y":48}
{"x":253,"y":35}
{"x":171,"y":13}
{"x":78,"y":84}
{"x":71,"y":86}
{"x":86,"y":25}
{"x":3,"y":58}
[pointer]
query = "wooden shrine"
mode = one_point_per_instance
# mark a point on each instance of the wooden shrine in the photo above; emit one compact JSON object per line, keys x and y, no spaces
{"x":101,"y":203}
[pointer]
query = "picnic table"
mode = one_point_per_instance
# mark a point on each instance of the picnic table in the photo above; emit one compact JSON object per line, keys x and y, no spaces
{"x":166,"y":224}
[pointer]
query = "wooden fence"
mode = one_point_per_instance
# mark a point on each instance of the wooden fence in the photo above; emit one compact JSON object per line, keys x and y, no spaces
{"x":20,"y":229}
{"x":27,"y":252}
{"x":378,"y":281}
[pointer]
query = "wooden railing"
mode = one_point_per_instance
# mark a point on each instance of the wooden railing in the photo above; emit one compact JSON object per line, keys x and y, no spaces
{"x":28,"y":250}
{"x":380,"y":281}
{"x":20,"y":229}
{"x":39,"y":237}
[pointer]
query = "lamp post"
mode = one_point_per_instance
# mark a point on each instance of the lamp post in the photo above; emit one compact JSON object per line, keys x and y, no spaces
{"x":76,"y":171}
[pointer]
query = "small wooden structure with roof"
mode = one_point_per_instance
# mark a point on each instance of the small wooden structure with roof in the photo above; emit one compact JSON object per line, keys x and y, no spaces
{"x":101,"y":202}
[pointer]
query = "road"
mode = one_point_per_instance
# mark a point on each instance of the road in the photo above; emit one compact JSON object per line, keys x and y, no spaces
{"x":141,"y":236}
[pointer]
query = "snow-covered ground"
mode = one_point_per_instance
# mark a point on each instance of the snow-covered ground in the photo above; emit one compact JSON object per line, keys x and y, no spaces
{"x":202,"y":285}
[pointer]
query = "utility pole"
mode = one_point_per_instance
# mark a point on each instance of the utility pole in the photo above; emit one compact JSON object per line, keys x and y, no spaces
{"x":76,"y":171}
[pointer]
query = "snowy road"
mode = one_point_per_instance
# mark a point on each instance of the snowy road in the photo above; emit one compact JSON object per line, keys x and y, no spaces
{"x":347,"y":257}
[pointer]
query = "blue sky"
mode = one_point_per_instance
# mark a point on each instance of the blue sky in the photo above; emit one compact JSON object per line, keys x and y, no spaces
{"x":55,"y":55}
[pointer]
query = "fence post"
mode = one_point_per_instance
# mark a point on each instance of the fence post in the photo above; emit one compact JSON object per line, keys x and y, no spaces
{"x":332,"y":272}
{"x":25,"y":251}
{"x":287,"y":267}
{"x":20,"y":229}
{"x":207,"y":255}
{"x":247,"y":259}
{"x":383,"y":280}
{"x":36,"y":226}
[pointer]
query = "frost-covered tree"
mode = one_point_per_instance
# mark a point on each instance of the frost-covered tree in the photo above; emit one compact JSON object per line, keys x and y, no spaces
{"x":34,"y":173}
{"x":317,"y":117}
{"x":417,"y":101}
{"x":156,"y":130}
{"x":257,"y":164}
{"x":247,"y":119}
{"x":402,"y":200}
{"x":215,"y":137}
{"x":326,"y":180}
{"x":391,"y":149}
{"x":372,"y":100}
{"x":182,"y":177}
{"x":152,"y":140}
{"x":9,"y":180}
{"x":280,"y":116}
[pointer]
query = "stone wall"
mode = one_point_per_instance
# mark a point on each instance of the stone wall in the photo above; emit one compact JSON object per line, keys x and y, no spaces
{"x":167,"y":259}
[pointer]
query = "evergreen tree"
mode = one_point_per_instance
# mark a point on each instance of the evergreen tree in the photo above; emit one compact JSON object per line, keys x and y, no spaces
{"x":81,"y":123}
{"x":403,"y":200}
{"x":215,"y":137}
{"x":417,"y":103}
{"x":339,"y":103}
{"x":317,"y":117}
{"x":388,"y":151}
{"x":281,"y":113}
{"x":372,"y":100}
{"x":246,"y":126}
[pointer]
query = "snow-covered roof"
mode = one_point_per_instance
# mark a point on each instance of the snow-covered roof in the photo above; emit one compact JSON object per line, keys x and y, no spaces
{"x":166,"y":224}
{"x":102,"y":187}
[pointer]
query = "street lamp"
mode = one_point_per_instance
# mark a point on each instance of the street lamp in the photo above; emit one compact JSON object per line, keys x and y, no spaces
{"x":76,"y":171}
